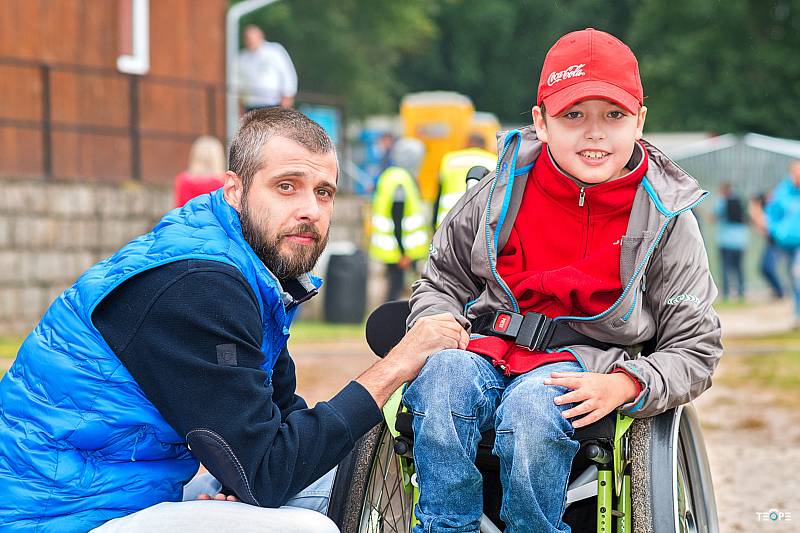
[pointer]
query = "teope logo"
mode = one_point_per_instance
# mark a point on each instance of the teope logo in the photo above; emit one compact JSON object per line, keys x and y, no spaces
{"x":773,"y":515}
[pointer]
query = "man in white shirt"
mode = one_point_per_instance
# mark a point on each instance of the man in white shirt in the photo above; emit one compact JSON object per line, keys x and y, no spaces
{"x":266,"y":73}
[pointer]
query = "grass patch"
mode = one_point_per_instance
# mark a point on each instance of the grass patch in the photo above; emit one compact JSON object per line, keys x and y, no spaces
{"x":777,"y":372}
{"x":8,"y":351}
{"x":787,"y":337}
{"x":9,"y":347}
{"x":728,"y":305}
{"x":315,"y":331}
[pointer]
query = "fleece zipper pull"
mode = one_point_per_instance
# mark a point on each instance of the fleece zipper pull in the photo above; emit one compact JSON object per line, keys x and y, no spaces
{"x":582,"y":197}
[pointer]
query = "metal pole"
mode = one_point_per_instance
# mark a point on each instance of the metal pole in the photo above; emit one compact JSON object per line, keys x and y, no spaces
{"x":133,"y":94}
{"x":47,"y":134}
{"x":211,"y":101}
{"x":235,"y":14}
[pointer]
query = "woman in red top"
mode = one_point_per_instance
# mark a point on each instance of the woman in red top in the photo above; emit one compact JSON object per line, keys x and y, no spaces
{"x":205,"y":172}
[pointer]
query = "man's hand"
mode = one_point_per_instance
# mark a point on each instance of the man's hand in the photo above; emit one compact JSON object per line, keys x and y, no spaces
{"x":429,"y":334}
{"x":596,"y":394}
{"x":219,"y":496}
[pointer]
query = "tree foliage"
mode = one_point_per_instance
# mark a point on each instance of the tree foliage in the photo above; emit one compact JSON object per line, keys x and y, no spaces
{"x":349,"y":48}
{"x":713,"y":65}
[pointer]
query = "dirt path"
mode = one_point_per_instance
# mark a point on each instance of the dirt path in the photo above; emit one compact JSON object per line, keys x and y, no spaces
{"x":753,"y":440}
{"x":753,"y":445}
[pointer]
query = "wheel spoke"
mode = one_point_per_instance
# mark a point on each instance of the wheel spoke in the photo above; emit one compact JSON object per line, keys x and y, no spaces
{"x":386,"y":500}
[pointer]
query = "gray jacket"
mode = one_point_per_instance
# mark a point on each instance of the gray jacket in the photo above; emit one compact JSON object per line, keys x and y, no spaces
{"x":667,"y":287}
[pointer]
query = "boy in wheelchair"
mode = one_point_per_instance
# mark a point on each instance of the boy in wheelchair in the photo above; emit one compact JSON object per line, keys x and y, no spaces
{"x":562,"y":264}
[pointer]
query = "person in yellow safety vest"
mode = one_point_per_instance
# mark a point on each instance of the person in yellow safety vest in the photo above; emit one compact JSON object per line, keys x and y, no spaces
{"x":399,"y":234}
{"x":453,"y":171}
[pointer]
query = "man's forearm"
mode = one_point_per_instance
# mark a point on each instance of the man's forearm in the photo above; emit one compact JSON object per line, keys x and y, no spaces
{"x":381,"y":380}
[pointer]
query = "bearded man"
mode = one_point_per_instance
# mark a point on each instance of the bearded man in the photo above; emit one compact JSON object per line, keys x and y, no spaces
{"x":172,"y":352}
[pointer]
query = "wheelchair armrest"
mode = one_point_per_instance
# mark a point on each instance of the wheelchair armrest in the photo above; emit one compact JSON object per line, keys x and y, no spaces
{"x":386,"y":326}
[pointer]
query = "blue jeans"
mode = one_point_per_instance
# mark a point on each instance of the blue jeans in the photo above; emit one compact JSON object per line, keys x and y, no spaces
{"x":769,"y":267}
{"x":732,"y":272}
{"x":457,"y":395}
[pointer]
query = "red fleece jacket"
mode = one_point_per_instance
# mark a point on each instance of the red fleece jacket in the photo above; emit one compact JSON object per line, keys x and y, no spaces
{"x":562,"y":256}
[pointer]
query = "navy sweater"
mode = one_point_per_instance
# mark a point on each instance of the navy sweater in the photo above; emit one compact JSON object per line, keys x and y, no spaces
{"x":190,"y":332}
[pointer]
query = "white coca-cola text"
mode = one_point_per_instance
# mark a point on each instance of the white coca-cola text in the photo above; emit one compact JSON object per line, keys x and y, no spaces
{"x":570,"y":72}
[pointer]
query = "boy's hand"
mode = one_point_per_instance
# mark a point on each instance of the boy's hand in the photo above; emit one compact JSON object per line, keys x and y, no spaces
{"x":596,"y":394}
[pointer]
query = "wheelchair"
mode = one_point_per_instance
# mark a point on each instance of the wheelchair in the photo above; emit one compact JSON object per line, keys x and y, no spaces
{"x":629,"y":475}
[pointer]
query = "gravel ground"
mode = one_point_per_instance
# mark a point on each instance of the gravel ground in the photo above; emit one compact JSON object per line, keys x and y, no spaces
{"x":752,"y":438}
{"x":753,"y":444}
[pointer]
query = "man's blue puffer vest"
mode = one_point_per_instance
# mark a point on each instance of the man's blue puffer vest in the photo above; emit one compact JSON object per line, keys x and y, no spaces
{"x":80,"y":444}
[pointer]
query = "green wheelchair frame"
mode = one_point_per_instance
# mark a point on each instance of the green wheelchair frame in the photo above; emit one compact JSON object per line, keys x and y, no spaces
{"x":613,"y":477}
{"x":655,"y":476}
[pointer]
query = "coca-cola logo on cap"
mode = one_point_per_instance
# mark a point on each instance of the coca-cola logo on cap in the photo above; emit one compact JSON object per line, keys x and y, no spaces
{"x":570,"y":72}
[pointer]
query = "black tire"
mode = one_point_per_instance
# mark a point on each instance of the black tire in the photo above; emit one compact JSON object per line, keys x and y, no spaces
{"x":671,"y":488}
{"x":368,"y":495}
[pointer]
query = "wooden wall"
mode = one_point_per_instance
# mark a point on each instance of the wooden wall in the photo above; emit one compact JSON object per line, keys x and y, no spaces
{"x":91,"y":110}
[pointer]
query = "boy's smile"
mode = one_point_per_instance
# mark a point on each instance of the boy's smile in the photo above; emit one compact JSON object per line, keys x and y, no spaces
{"x":591,"y":140}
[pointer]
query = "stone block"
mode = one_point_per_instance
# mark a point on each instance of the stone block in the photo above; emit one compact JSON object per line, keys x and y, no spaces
{"x":51,"y":266}
{"x":8,"y":302}
{"x":12,"y":200}
{"x":107,"y":202}
{"x":38,"y":197}
{"x":26,"y":261}
{"x":10,"y":266}
{"x":35,"y":233}
{"x":5,"y":231}
{"x":77,"y":234}
{"x":30,"y":301}
{"x":85,"y":198}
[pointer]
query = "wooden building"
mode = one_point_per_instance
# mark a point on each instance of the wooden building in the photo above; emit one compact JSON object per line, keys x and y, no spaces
{"x":67,"y":112}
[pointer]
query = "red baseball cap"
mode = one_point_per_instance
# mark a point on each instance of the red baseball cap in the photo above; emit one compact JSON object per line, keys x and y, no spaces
{"x":589,"y":64}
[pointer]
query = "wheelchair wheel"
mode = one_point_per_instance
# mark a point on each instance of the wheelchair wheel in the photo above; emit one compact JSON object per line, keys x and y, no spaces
{"x":671,"y":481}
{"x":368,"y":495}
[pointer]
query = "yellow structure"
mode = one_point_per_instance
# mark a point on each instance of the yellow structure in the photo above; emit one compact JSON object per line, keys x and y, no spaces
{"x":487,"y":126}
{"x":442,"y":121}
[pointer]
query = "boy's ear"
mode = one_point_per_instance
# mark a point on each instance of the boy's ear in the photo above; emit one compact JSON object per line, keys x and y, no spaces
{"x":540,"y":124}
{"x":232,"y":189}
{"x":642,"y":115}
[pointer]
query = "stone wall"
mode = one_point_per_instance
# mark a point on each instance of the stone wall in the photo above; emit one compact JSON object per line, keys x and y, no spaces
{"x":51,"y":232}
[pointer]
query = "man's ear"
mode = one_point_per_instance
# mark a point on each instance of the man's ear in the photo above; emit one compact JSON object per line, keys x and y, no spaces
{"x":540,"y":124}
{"x":640,"y":122}
{"x":233,"y":189}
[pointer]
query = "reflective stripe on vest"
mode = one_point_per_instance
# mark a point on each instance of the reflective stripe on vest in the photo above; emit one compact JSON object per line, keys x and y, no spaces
{"x":453,"y":173}
{"x":383,"y":243}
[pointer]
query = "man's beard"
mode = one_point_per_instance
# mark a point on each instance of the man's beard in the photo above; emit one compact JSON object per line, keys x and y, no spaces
{"x":298,"y":260}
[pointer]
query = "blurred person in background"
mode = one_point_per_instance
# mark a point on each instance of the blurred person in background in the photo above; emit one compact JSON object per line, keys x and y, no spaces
{"x":398,"y":234}
{"x":453,"y":171}
{"x":267,"y":76}
{"x":783,"y":223}
{"x":732,"y":232}
{"x":772,"y":253}
{"x":205,"y":172}
{"x":172,"y":353}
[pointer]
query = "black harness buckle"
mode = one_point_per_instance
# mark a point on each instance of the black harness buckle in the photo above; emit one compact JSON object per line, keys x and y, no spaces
{"x":535,"y":332}
{"x":532,"y":331}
